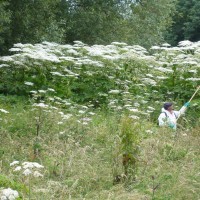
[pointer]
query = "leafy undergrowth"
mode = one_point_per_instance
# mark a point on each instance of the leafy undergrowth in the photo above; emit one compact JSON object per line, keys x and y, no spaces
{"x":84,"y":161}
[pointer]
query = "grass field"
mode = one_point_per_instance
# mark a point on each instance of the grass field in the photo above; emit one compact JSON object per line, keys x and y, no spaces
{"x":86,"y":161}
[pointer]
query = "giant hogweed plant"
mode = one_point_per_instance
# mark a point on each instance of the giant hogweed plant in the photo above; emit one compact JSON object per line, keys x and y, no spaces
{"x":118,"y":76}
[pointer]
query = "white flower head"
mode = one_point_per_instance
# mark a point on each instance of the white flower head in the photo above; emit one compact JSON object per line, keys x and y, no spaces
{"x":29,"y":83}
{"x":56,"y":73}
{"x":37,"y":174}
{"x":81,"y":111}
{"x":133,"y":109}
{"x":4,"y":111}
{"x":86,"y":119}
{"x":136,"y":104}
{"x":51,"y":90}
{"x":27,"y":165}
{"x":192,"y":79}
{"x":37,"y":165}
{"x":31,"y":165}
{"x":151,"y":108}
{"x":165,"y":45}
{"x":114,"y":92}
{"x":41,"y":105}
{"x":184,"y":43}
{"x":134,"y":117}
{"x":3,"y":197}
{"x":42,"y":91}
{"x":27,"y":172}
{"x":9,"y":194}
{"x":67,"y":116}
{"x":4,"y":65}
{"x":91,"y":113}
{"x":16,"y":162}
{"x":18,"y":168}
{"x":33,"y":92}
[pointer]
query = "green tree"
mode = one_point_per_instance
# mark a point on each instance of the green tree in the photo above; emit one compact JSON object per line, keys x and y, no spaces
{"x":185,"y":22}
{"x":149,"y":20}
{"x":142,"y":22}
{"x":34,"y":21}
{"x":4,"y":23}
{"x":97,"y":21}
{"x":91,"y":21}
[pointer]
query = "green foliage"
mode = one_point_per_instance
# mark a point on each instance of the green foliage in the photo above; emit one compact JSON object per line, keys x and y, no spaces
{"x":185,"y":22}
{"x":78,"y":159}
{"x":93,"y":22}
{"x":114,"y":77}
{"x":119,"y":21}
{"x":152,"y":16}
{"x":34,"y":21}
{"x":130,"y":141}
{"x":13,"y":100}
{"x":5,"y":15}
{"x":172,"y":154}
{"x":82,"y":150}
{"x":9,"y":183}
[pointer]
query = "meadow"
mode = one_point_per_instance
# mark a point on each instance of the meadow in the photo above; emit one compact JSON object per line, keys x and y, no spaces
{"x":80,"y":122}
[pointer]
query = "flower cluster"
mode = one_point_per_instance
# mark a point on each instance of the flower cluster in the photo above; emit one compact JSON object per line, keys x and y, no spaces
{"x":28,"y":168}
{"x":8,"y":194}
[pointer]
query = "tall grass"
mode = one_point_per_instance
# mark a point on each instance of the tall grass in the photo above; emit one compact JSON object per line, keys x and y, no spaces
{"x":82,"y":161}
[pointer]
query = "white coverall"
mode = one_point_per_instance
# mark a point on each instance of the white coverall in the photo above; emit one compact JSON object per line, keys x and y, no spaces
{"x":169,"y":119}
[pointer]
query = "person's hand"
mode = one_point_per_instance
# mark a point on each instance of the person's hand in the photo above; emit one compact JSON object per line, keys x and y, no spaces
{"x":187,"y":104}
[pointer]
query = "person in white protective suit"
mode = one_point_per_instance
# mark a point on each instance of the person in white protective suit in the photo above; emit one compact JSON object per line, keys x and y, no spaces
{"x":168,"y":116}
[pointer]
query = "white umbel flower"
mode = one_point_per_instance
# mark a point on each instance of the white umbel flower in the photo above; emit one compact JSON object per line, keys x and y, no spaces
{"x":9,"y":194}
{"x":18,"y":168}
{"x":134,"y":117}
{"x":16,"y":162}
{"x":37,"y":174}
{"x":28,"y":83}
{"x":114,"y":92}
{"x":41,"y":105}
{"x":27,"y":172}
{"x":31,"y":165}
{"x":4,"y":111}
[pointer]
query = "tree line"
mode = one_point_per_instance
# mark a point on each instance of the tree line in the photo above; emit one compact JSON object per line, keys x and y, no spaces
{"x":143,"y":22}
